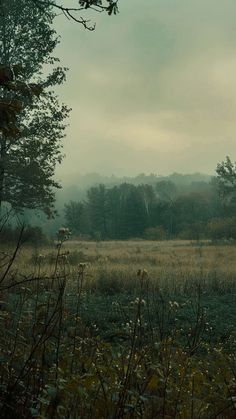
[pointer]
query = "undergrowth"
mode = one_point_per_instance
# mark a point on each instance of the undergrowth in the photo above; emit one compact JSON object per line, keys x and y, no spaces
{"x":72,"y":347}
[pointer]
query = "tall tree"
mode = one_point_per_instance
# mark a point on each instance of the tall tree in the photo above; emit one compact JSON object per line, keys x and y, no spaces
{"x":29,"y":155}
{"x":133,"y":212}
{"x":76,"y":217}
{"x":97,"y":210}
{"x":226,"y":178}
{"x":149,"y":199}
{"x":113,"y":212}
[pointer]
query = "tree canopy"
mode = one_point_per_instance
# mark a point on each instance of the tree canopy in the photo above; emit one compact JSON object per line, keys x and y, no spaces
{"x":226,"y":177}
{"x":127,"y":211}
{"x":32,"y":123}
{"x":31,"y":117}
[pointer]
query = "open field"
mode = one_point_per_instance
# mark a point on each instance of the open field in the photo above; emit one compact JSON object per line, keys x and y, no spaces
{"x":143,"y":329}
{"x":173,"y":265}
{"x":164,"y":256}
{"x":176,"y":270}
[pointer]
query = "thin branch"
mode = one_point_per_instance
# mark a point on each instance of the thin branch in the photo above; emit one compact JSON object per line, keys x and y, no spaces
{"x":81,"y":21}
{"x":18,"y":245}
{"x":70,"y":12}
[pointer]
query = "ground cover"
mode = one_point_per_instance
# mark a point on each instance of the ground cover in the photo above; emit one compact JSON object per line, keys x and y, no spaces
{"x":119,"y":329}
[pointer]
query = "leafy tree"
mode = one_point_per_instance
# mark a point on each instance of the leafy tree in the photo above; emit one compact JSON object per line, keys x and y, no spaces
{"x":162,"y":216}
{"x":219,"y":228}
{"x":76,"y":217}
{"x":189,"y":209}
{"x":166,"y":190}
{"x":118,"y":212}
{"x":113,"y":212}
{"x":226,"y":177}
{"x":30,"y":150}
{"x":133,"y":217}
{"x":166,"y":193}
{"x":149,"y":199}
{"x":97,"y":210}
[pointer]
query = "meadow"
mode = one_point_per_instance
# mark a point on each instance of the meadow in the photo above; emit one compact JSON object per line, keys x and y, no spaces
{"x":123,"y":329}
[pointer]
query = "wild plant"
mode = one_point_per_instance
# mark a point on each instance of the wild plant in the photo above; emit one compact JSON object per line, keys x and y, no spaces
{"x":56,"y":365}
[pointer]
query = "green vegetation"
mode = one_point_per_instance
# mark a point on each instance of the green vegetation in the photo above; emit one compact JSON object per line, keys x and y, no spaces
{"x":30,"y":147}
{"x":163,"y":210}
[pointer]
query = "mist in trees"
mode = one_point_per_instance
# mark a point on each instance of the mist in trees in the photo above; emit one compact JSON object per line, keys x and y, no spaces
{"x":160,"y":211}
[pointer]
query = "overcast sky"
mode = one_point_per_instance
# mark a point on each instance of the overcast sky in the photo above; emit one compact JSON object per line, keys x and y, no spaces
{"x":153,"y":89}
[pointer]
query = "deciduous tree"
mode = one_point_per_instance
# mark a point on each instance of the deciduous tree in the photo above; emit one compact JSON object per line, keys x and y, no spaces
{"x":226,"y":177}
{"x":30,"y":140}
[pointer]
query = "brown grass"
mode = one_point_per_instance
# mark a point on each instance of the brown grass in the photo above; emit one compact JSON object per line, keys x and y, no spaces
{"x":172,"y":264}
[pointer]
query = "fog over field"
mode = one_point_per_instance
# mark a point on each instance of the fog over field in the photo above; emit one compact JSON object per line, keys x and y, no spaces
{"x":152,"y":90}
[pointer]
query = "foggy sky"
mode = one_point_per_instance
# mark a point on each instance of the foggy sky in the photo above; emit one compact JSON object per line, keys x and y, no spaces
{"x":153,"y":89}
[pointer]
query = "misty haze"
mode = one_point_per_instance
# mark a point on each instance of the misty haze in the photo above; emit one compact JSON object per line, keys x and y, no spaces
{"x":117,"y":209}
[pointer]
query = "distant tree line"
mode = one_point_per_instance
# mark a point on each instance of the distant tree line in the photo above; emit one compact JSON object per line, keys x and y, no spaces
{"x":153,"y":212}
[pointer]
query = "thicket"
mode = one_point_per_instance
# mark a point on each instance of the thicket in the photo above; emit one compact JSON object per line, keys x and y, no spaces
{"x":31,"y":235}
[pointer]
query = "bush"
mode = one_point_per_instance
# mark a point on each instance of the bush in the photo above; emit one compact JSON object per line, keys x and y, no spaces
{"x":109,"y":283}
{"x":219,"y":229}
{"x":30,"y":235}
{"x":155,"y":233}
{"x":195,"y":231}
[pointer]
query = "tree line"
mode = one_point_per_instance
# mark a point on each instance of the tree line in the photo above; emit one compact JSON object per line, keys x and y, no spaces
{"x":157,"y":211}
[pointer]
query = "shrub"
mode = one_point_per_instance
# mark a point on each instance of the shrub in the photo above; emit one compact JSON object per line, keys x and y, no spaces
{"x":155,"y":233}
{"x":30,"y":235}
{"x":219,"y":229}
{"x":109,"y":283}
{"x":193,"y":231}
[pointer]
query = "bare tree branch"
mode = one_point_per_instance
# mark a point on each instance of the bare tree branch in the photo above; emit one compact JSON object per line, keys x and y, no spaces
{"x":71,"y":13}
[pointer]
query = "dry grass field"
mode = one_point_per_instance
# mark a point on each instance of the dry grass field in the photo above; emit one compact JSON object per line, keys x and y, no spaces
{"x":173,"y":264}
{"x":119,"y":329}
